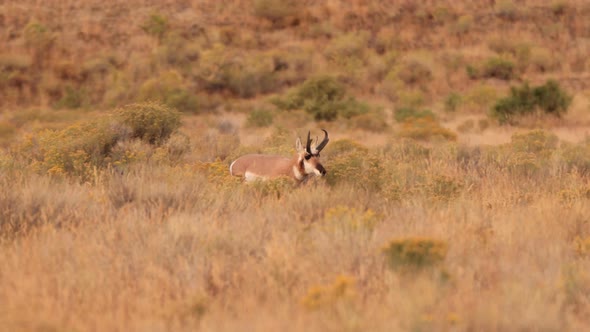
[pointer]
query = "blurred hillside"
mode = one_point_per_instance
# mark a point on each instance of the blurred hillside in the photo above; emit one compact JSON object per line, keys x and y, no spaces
{"x":440,"y":211}
{"x":201,"y":55}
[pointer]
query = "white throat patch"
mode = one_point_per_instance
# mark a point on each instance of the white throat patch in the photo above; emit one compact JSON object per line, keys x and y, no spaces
{"x":309,"y":169}
{"x":297,"y":173}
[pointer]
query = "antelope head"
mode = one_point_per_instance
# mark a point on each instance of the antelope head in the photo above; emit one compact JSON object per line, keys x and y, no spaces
{"x":309,"y":158}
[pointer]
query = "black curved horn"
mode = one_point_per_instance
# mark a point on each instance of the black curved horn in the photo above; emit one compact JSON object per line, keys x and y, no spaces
{"x":324,"y":141}
{"x":308,"y":144}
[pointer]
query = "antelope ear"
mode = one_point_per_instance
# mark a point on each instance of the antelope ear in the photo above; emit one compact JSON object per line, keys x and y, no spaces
{"x":298,"y":145}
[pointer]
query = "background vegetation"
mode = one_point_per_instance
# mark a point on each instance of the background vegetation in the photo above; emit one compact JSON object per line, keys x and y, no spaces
{"x":457,"y":193}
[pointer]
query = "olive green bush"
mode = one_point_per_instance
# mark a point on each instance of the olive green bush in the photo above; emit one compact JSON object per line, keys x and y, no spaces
{"x":324,"y":97}
{"x":549,"y":98}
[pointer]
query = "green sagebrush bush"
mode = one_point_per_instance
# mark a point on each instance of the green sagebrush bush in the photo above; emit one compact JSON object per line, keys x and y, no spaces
{"x":500,"y":68}
{"x":151,"y":122}
{"x":259,"y":118}
{"x":550,"y":98}
{"x":323,"y":97}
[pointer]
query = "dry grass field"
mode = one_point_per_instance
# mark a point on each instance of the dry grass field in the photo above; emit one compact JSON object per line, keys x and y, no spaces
{"x":458,"y":189}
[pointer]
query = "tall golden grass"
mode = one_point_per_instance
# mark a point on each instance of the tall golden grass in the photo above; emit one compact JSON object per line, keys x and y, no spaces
{"x":182,"y":246}
{"x":107,"y":227}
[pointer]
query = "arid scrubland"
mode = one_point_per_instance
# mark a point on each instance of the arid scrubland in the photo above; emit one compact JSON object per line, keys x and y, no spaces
{"x":458,"y":186}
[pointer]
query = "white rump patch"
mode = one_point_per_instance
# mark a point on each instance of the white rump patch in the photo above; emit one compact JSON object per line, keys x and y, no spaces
{"x":249,"y":176}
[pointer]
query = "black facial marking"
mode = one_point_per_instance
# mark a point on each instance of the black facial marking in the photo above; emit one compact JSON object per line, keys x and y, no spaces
{"x":308,"y":156}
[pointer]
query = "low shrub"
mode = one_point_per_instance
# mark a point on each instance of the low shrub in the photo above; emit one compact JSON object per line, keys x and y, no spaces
{"x":343,"y":146}
{"x":425,"y":129}
{"x":80,"y":150}
{"x":499,"y":67}
{"x":324,"y":98}
{"x":463,"y":24}
{"x":506,"y":9}
{"x":173,"y":149}
{"x":259,"y":118}
{"x":552,"y":99}
{"x":217,"y":173}
{"x":170,"y":89}
{"x":357,"y":168}
{"x":538,"y":142}
{"x":415,"y":253}
{"x":276,"y":187}
{"x":406,"y":113}
{"x":292,"y":65}
{"x":480,"y":97}
{"x":276,"y":11}
{"x":530,"y":153}
{"x":156,"y":25}
{"x":452,"y":102}
{"x":443,"y":187}
{"x":347,"y":53}
{"x":411,"y":98}
{"x":415,"y":72}
{"x":351,"y":45}
{"x":483,"y":124}
{"x":407,"y":151}
{"x":472,"y":72}
{"x":371,"y":121}
{"x":466,"y":126}
{"x":250,"y":76}
{"x":576,"y":157}
{"x":543,"y":60}
{"x":318,"y":297}
{"x":221,"y":69}
{"x":38,"y":36}
{"x":151,"y":122}
{"x":72,"y":98}
{"x":549,"y":98}
{"x":75,"y":151}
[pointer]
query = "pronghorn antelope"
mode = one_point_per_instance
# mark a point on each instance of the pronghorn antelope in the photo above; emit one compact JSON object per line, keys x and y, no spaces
{"x":304,"y":163}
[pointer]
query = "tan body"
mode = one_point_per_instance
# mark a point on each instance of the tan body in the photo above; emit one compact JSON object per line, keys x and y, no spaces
{"x":262,"y":167}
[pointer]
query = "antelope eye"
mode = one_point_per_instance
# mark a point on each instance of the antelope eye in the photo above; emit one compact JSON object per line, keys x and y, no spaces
{"x":307,"y":157}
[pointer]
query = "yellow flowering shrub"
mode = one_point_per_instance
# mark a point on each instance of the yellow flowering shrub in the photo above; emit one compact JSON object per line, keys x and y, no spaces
{"x":325,"y":296}
{"x":415,"y":252}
